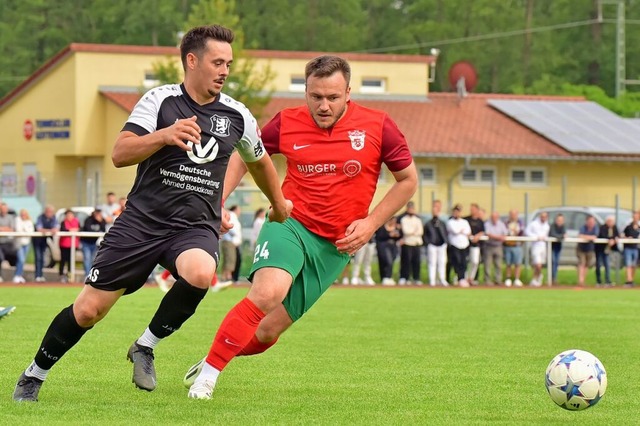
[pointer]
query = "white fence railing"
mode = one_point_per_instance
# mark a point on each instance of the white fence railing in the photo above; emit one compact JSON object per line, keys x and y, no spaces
{"x":72,"y":267}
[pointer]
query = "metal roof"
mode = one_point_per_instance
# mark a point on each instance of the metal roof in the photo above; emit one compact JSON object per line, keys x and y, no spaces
{"x":579,"y":127}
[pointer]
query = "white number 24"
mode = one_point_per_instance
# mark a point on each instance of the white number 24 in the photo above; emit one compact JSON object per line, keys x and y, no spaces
{"x":261,"y":252}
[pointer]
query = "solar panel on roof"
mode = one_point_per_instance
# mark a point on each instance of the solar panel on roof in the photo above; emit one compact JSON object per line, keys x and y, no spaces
{"x":577,"y":126}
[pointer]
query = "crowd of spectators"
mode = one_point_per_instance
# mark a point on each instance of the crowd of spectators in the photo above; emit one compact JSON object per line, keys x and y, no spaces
{"x":19,"y":247}
{"x":452,"y":248}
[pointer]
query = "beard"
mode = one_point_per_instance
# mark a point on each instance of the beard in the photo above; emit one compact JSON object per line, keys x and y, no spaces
{"x":324,"y":125}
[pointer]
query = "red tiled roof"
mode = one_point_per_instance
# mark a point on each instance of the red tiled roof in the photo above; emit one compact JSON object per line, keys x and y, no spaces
{"x":441,"y":126}
{"x":445,"y":127}
{"x":126,"y":101}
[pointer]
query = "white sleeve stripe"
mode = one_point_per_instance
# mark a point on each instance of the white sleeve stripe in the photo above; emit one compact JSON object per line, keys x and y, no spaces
{"x":145,"y":113}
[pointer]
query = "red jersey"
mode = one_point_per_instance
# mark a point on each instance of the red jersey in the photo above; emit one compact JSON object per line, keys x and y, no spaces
{"x":332,"y":173}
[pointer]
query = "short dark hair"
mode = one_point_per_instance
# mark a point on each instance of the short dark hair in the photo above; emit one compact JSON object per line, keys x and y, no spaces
{"x":195,"y":40}
{"x":326,"y":65}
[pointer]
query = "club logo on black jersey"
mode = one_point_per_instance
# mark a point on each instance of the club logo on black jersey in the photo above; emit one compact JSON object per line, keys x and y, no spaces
{"x":357,"y":139}
{"x":203,"y":152}
{"x":220,"y":125}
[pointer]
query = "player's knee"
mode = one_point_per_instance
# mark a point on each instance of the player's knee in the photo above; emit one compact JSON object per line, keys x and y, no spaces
{"x":87,"y":315}
{"x":268,"y":334}
{"x":199,"y":277}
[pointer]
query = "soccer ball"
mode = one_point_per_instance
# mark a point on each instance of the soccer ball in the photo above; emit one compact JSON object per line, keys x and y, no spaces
{"x":576,"y":380}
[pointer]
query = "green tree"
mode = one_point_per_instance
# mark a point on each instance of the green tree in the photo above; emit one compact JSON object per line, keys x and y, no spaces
{"x":246,"y":83}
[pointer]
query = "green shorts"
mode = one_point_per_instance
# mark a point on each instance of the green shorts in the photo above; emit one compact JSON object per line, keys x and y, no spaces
{"x":313,"y":262}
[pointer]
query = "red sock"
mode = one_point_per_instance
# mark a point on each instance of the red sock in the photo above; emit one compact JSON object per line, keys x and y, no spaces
{"x":255,"y":347}
{"x":165,"y":274}
{"x":214,"y":280}
{"x":236,"y":330}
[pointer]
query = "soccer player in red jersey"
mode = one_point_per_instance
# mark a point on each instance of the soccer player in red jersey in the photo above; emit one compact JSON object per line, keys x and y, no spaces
{"x":334,"y":150}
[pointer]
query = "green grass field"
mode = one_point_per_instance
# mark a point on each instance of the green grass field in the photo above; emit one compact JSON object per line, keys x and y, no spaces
{"x":361,"y":356}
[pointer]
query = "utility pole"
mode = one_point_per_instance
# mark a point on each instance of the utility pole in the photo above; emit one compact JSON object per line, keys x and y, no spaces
{"x":621,"y":62}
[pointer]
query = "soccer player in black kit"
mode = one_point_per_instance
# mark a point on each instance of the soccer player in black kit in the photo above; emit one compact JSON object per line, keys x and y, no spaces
{"x":181,"y":137}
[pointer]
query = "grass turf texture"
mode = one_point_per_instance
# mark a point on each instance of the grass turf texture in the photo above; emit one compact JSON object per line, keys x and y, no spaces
{"x":361,"y":356}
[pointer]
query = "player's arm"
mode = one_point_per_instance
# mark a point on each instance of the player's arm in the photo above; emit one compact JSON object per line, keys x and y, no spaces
{"x":360,"y":231}
{"x":253,"y":152}
{"x":132,"y":148}
{"x":406,"y":183}
{"x":266,"y":177}
{"x":396,"y":155}
{"x":236,"y":169}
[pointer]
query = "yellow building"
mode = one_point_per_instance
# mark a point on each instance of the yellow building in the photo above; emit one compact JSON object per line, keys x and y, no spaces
{"x":59,"y":127}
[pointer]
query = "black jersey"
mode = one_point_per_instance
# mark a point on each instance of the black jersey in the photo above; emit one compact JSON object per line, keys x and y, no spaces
{"x":176,"y":189}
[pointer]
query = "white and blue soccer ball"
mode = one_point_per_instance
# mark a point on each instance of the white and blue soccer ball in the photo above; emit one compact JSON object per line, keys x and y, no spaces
{"x":576,"y":380}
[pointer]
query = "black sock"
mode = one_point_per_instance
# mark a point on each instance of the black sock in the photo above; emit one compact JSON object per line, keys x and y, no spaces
{"x":63,"y":333}
{"x":176,"y":307}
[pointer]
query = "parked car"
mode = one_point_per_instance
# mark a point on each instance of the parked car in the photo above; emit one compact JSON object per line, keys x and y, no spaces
{"x":575,"y":217}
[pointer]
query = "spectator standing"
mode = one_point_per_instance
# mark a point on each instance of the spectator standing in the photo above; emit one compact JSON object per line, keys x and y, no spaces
{"x":476,"y":223}
{"x":513,"y":250}
{"x":558,"y":231}
{"x":228,"y":247}
{"x":362,"y":261}
{"x":412,"y":231}
{"x":7,"y":224}
{"x":93,"y":223}
{"x":70,"y":223}
{"x":459,"y":231}
{"x":111,"y":209}
{"x":237,"y":243}
{"x":23,"y":224}
{"x":496,"y":231}
{"x":46,"y":222}
{"x":586,"y":251}
{"x":538,"y":229}
{"x":258,"y":221}
{"x":608,"y":231}
{"x":435,"y":237}
{"x":630,"y":250}
{"x":387,"y":237}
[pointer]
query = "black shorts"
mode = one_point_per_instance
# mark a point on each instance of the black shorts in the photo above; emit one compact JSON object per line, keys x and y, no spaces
{"x":127,"y":256}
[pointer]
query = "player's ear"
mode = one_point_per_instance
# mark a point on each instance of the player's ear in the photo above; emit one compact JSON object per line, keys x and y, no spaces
{"x":348,"y":93}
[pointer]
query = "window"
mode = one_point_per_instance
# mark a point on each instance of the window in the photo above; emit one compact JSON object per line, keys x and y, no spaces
{"x":150,"y":80}
{"x":9,"y":182}
{"x":373,"y":85}
{"x":478,"y":176}
{"x":528,"y":176}
{"x":428,"y":174}
{"x":297,"y":84}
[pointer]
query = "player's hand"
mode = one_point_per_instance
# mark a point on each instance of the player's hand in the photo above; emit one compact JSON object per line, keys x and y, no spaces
{"x":357,"y":235}
{"x":281,"y":214}
{"x":181,"y":132}
{"x":225,"y":223}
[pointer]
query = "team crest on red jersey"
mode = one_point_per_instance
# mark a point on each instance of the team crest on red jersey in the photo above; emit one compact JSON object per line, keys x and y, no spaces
{"x":357,"y":139}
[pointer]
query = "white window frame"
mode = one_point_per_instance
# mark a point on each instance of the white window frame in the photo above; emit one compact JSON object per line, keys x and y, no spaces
{"x":382,"y":88}
{"x":297,"y":83}
{"x":150,"y":80}
{"x":478,"y":181}
{"x":528,"y":170}
{"x":425,"y":181}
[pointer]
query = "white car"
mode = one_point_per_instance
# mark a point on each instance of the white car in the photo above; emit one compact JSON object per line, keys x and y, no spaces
{"x":575,"y":217}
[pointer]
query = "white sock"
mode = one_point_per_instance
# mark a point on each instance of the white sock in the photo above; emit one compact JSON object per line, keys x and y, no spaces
{"x":148,"y":339}
{"x":34,"y":371}
{"x":208,"y":373}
